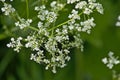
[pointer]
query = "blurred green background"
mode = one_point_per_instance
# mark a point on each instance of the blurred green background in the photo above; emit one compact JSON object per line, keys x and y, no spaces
{"x":85,"y":65}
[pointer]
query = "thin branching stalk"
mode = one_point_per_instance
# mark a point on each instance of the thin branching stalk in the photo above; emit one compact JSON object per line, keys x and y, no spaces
{"x":27,"y":8}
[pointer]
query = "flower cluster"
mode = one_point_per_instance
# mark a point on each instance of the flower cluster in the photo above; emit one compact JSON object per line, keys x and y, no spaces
{"x":83,"y":8}
{"x":89,"y":7}
{"x":16,"y":44}
{"x":7,"y":9}
{"x":87,"y":25}
{"x":43,"y":14}
{"x":118,"y":22}
{"x":111,"y":60}
{"x":23,"y":23}
{"x":49,"y":41}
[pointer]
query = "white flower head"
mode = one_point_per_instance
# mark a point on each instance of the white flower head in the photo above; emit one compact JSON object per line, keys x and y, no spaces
{"x":104,"y":60}
{"x":87,"y":11}
{"x":99,"y":8}
{"x":23,"y":23}
{"x":53,"y":4}
{"x":81,"y":5}
{"x":7,"y":9}
{"x":111,"y":60}
{"x":87,"y":25}
{"x":74,"y":15}
{"x":16,"y":44}
{"x":50,"y":40}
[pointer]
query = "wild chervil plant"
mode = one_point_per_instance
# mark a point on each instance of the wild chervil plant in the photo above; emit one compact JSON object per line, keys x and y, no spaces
{"x":50,"y":43}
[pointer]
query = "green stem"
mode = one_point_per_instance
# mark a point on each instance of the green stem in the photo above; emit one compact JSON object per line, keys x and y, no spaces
{"x":84,"y":17}
{"x":27,"y":8}
{"x":33,"y":28}
{"x":14,"y":17}
{"x":62,"y":23}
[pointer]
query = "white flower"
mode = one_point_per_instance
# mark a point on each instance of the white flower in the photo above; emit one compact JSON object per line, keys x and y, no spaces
{"x":51,"y":17}
{"x":118,"y":24}
{"x":71,"y":1}
{"x":45,"y":15}
{"x":37,"y":57}
{"x":54,"y":69}
{"x":110,"y":65}
{"x":104,"y":60}
{"x":7,"y":9}
{"x":23,"y":23}
{"x":74,"y":15}
{"x":111,"y":60}
{"x":53,"y":4}
{"x":92,"y":5}
{"x":39,"y":8}
{"x":33,"y":57}
{"x":87,"y":25}
{"x":81,"y":5}
{"x":87,"y":11}
{"x":56,"y":6}
{"x":99,"y":8}
{"x":15,"y":44}
{"x":40,"y":24}
{"x":32,"y":43}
